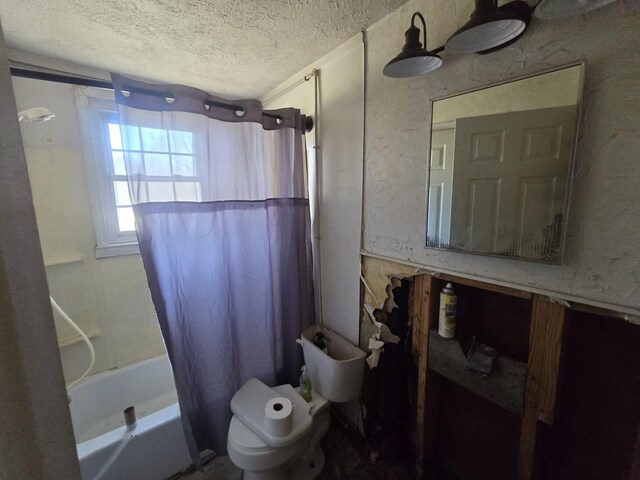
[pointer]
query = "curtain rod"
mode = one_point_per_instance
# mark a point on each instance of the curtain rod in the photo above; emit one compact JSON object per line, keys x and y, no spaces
{"x":58,"y":78}
{"x":89,"y":82}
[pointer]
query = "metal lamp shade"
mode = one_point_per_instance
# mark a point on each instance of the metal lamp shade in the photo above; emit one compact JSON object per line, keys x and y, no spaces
{"x":410,"y":64}
{"x":414,"y":58}
{"x":488,"y":28}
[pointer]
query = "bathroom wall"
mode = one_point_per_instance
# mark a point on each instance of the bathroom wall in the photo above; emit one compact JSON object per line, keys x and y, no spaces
{"x":108,"y":298}
{"x":338,"y":175}
{"x":603,"y":254}
{"x":37,"y":439}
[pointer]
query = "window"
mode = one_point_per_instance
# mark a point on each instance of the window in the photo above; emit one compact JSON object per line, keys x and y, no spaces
{"x":164,"y":162}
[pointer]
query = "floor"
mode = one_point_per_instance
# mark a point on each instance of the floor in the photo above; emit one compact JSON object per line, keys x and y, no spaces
{"x":347,"y":458}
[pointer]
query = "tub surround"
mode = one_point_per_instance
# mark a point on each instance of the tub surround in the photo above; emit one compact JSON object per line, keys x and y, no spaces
{"x":155,"y":449}
{"x":108,"y":297}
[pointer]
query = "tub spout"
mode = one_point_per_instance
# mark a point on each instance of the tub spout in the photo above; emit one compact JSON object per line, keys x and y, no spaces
{"x":130,"y":418}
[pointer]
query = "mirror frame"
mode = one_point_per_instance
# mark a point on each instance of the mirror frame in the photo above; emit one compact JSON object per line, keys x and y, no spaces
{"x":571,"y":167}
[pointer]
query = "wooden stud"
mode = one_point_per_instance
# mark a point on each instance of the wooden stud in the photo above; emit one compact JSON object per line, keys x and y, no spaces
{"x":513,"y":292}
{"x":528,"y":438}
{"x":428,"y":384}
{"x":543,"y":371}
{"x":414,"y":314}
{"x":545,"y":351}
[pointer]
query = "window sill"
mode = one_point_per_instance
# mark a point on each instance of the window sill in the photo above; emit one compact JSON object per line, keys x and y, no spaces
{"x":117,"y":250}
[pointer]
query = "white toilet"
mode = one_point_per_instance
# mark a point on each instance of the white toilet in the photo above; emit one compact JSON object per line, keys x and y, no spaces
{"x":294,"y":455}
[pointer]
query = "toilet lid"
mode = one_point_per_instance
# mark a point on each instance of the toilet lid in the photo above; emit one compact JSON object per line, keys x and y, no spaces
{"x":245,"y":439}
{"x":248,"y":405}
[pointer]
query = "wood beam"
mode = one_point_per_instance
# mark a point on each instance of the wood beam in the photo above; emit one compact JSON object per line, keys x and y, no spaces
{"x":513,"y":292}
{"x":545,"y":355}
{"x":543,"y":370}
{"x":415,"y":307}
{"x":427,"y":292}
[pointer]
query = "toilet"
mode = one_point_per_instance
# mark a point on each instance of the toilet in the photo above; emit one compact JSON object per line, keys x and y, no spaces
{"x":336,"y":377}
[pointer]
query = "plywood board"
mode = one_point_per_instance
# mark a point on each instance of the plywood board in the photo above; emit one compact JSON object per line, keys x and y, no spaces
{"x":504,"y":386}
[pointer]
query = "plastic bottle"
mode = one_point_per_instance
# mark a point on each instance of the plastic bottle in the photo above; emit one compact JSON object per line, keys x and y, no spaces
{"x":305,"y":385}
{"x":447,"y":318}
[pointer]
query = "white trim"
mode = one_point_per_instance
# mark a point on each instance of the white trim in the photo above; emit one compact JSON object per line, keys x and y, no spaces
{"x":438,"y":127}
{"x":116,"y":250}
{"x":334,"y":55}
{"x":91,"y":103}
{"x":630,"y":314}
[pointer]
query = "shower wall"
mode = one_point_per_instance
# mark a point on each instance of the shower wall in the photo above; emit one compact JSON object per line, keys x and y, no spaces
{"x":108,"y":298}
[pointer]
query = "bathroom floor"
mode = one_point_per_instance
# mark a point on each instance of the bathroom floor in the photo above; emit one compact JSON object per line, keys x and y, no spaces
{"x":347,"y":458}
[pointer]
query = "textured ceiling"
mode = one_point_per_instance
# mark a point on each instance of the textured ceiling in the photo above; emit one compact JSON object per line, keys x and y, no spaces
{"x":240,"y":48}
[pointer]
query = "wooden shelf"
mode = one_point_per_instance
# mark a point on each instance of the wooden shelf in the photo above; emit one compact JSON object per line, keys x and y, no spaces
{"x":529,"y":389}
{"x":505,"y":385}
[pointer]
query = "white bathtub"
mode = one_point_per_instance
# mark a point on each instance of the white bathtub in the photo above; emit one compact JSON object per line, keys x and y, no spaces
{"x":155,"y":449}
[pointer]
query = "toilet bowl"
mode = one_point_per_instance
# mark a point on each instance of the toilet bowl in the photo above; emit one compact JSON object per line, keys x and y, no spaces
{"x":336,"y":376}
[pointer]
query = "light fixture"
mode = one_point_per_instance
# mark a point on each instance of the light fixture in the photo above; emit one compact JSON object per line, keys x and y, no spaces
{"x":490,"y":27}
{"x":554,"y":9}
{"x":36,"y":115}
{"x":414,"y":59}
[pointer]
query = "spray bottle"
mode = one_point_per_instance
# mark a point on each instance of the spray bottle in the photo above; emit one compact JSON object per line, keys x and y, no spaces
{"x":447,"y":319}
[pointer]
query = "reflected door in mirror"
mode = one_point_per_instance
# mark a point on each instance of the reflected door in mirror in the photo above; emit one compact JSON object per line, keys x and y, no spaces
{"x":500,"y":166}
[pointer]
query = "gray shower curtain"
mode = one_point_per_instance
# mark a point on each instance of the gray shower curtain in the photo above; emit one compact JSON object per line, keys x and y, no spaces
{"x":222,"y":217}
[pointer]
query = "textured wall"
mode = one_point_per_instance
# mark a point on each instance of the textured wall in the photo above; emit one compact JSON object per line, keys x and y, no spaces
{"x":109,"y":295}
{"x":602,"y":261}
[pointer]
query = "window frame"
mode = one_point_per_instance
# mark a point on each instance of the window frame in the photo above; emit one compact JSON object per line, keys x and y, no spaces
{"x":96,"y":109}
{"x":92,"y":103}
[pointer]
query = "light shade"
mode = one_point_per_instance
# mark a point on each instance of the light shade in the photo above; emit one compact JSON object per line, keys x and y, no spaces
{"x":552,"y":9}
{"x":414,"y":59}
{"x":488,"y":28}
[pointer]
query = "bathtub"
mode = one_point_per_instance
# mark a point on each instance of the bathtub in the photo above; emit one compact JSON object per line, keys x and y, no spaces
{"x":155,"y":449}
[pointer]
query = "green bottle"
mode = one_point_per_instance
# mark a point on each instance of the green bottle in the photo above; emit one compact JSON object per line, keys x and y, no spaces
{"x":305,"y":385}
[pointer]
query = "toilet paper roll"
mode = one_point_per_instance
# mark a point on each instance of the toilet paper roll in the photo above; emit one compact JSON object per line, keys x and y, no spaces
{"x":278,"y":413}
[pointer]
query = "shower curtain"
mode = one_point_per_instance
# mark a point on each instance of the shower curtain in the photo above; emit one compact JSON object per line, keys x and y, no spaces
{"x":219,"y":193}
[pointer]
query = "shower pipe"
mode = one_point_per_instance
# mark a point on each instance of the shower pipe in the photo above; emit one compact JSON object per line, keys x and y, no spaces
{"x":73,"y":325}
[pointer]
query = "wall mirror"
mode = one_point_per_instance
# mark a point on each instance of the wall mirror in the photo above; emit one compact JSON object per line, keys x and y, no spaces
{"x":501,"y":164}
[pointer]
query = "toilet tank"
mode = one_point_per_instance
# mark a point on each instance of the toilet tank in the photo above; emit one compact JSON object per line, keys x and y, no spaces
{"x":337,"y":376}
